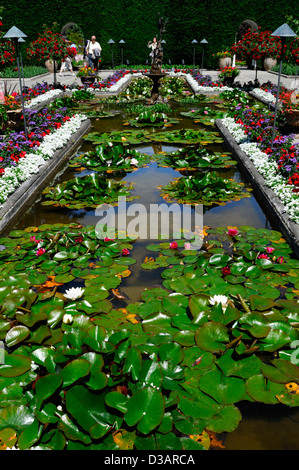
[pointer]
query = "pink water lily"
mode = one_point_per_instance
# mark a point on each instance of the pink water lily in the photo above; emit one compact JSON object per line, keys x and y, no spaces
{"x":232,"y":232}
{"x":125,"y":252}
{"x":173,"y":245}
{"x":280,"y":259}
{"x":262,"y":255}
{"x":40,"y":251}
{"x":270,"y":249}
{"x":33,"y":239}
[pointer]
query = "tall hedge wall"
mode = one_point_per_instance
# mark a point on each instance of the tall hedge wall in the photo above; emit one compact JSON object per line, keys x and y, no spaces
{"x":135,"y":21}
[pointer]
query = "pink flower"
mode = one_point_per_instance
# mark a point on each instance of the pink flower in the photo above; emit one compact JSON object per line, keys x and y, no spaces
{"x":173,"y":245}
{"x":40,"y":251}
{"x":232,"y":232}
{"x":226,"y":270}
{"x":125,"y":252}
{"x":280,"y":259}
{"x":106,"y":239}
{"x":262,"y":255}
{"x":270,"y":249}
{"x":187,"y":246}
{"x":33,"y":239}
{"x":79,"y":239}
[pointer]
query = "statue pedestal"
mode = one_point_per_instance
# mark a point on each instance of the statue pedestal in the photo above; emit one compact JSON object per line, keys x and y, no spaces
{"x":155,"y":96}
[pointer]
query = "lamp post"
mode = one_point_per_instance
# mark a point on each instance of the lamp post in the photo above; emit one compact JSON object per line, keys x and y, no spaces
{"x":21,"y":60}
{"x":203,"y":42}
{"x":122,"y":51}
{"x":282,"y":32}
{"x":194,"y":42}
{"x":111,"y":42}
{"x":15,"y":34}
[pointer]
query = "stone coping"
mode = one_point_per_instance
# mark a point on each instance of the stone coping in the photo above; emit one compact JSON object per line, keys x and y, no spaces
{"x":265,"y":195}
{"x":26,"y":194}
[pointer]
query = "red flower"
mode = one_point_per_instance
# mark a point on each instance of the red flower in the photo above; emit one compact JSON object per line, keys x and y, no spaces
{"x":226,"y":270}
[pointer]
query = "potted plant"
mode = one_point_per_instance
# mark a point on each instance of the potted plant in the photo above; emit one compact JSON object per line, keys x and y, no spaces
{"x":87,"y":75}
{"x":257,"y":45}
{"x":289,"y":100}
{"x":228,"y":75}
{"x":224,"y":59}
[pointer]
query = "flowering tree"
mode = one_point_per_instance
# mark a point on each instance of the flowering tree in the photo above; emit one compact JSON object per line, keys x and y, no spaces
{"x":50,"y":45}
{"x":257,"y":45}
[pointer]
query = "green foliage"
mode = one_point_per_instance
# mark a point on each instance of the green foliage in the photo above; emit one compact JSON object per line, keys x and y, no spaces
{"x":29,"y":71}
{"x":111,"y":157}
{"x":151,"y":376}
{"x":137,"y":24}
{"x":207,"y":189}
{"x":87,"y":191}
{"x":192,"y":158}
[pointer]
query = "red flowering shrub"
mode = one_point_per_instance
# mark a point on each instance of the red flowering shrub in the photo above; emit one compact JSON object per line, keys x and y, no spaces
{"x":50,"y":45}
{"x":257,"y":45}
{"x":7,"y":52}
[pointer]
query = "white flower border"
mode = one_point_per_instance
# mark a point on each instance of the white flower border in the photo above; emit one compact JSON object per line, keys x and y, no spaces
{"x":264,"y":95}
{"x":266,"y":168}
{"x":43,"y":97}
{"x":200,"y":88}
{"x":15,"y":176}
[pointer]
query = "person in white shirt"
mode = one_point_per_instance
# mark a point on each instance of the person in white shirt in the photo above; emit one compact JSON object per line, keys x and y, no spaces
{"x":93,"y":52}
{"x":153,"y":46}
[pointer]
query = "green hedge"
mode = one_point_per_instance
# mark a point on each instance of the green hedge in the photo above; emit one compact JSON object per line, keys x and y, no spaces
{"x":136,"y":23}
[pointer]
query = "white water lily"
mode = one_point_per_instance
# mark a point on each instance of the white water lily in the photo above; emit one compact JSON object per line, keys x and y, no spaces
{"x":67,"y":319}
{"x":74,"y":293}
{"x":219,"y":299}
{"x":134,"y":161}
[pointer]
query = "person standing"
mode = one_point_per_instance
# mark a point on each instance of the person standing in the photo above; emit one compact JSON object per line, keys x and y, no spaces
{"x":153,"y":46}
{"x":93,"y":52}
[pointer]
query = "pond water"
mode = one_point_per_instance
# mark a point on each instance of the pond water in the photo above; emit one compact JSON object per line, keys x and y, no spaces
{"x":262,"y":427}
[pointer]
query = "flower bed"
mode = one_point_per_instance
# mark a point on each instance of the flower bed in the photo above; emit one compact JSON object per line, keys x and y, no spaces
{"x":21,"y":158}
{"x":200,"y":83}
{"x":267,"y":167}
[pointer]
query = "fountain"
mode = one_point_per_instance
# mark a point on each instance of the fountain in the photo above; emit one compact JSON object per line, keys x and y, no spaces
{"x":156,"y":73}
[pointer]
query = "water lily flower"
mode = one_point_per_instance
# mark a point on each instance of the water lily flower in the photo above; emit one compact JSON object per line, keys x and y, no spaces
{"x":74,"y":293}
{"x":125,"y":252}
{"x":40,"y":251}
{"x":173,"y":245}
{"x":187,"y":246}
{"x":67,"y":318}
{"x":262,"y":255}
{"x":270,"y":249}
{"x":226,"y":270}
{"x":106,"y":239}
{"x":280,"y":259}
{"x":134,"y":161}
{"x":79,"y":239}
{"x":232,"y":232}
{"x":219,"y":299}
